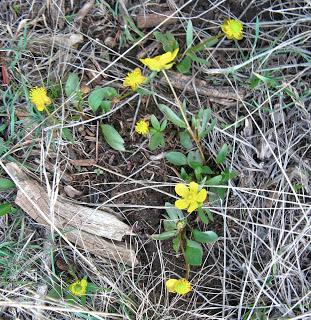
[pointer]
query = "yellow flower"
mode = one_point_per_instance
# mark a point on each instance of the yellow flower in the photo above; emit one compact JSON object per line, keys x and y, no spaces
{"x":192,"y":198}
{"x":180,"y":286}
{"x":134,"y":79}
{"x":78,"y":288}
{"x":233,"y":29}
{"x":142,"y":127}
{"x":38,"y":96}
{"x":163,"y":61}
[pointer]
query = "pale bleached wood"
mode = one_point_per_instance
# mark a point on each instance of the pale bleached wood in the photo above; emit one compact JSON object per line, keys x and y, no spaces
{"x":85,"y":227}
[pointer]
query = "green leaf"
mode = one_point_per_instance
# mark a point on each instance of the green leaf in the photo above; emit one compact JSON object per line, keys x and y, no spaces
{"x":67,"y":135}
{"x":210,"y":215}
{"x":176,"y":244}
{"x":173,"y":213}
{"x":56,"y":292}
{"x":189,"y":34}
{"x":185,"y":65}
{"x":155,"y":122}
{"x":72,"y":84}
{"x":98,"y":95}
{"x":203,"y":216}
{"x":172,"y":116}
{"x":185,"y":139}
{"x":221,"y":156}
{"x":92,"y":288}
{"x":144,"y":91}
{"x":156,"y":140}
{"x":194,"y":159}
{"x":176,"y":158}
{"x":193,"y":253}
{"x":163,"y":125}
{"x":164,"y":235}
{"x":6,"y":184}
{"x":207,"y":170}
{"x":214,"y":181}
{"x":204,"y":115}
{"x":195,"y":58}
{"x":210,"y":127}
{"x":204,"y":237}
{"x":106,"y":105}
{"x":169,"y":225}
{"x":228,"y":175}
{"x":112,"y":137}
{"x":167,"y":40}
{"x":5,"y":208}
{"x":198,"y":172}
{"x":184,"y":175}
{"x":207,"y":43}
{"x":3,"y":127}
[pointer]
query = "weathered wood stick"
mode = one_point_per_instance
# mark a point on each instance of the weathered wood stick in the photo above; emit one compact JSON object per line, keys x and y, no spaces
{"x":83,"y":226}
{"x":188,"y":83}
{"x":145,"y":21}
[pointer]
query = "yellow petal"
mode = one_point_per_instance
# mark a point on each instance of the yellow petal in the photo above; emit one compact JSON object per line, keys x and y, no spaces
{"x":193,"y":206}
{"x":194,"y":187}
{"x":174,"y":54}
{"x":170,"y":285}
{"x":151,"y":63}
{"x":40,"y":107}
{"x":182,"y":286}
{"x":201,"y":195}
{"x":83,"y":284}
{"x":182,"y":204}
{"x":168,"y":66}
{"x":182,"y":190}
{"x":47,"y":100}
{"x":137,"y":72}
{"x":165,"y":58}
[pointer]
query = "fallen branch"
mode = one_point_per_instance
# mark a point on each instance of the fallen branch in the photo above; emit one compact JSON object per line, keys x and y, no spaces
{"x":189,"y":84}
{"x":87,"y":228}
{"x":145,"y":21}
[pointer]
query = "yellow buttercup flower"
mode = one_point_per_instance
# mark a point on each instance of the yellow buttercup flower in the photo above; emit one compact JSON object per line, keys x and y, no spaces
{"x":134,"y":79}
{"x":181,"y":286}
{"x":142,"y":127}
{"x":233,"y":29}
{"x":192,"y":198}
{"x":78,"y":288}
{"x":38,"y":96}
{"x":161,"y":62}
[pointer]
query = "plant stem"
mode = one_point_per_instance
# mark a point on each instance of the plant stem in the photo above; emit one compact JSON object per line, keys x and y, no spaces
{"x":182,"y":242}
{"x":179,"y":104}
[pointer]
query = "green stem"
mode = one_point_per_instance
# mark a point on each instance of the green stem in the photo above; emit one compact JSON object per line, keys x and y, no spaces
{"x":202,"y":44}
{"x":182,"y":243}
{"x":179,"y":104}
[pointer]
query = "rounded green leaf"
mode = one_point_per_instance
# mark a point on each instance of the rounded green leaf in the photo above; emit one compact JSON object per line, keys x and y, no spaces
{"x":72,"y":84}
{"x":204,"y":237}
{"x":193,"y":253}
{"x":98,"y":95}
{"x":215,"y":181}
{"x":155,"y":122}
{"x":185,"y":139}
{"x":173,"y":213}
{"x":176,"y":158}
{"x":194,"y":159}
{"x":221,"y":156}
{"x":5,"y":208}
{"x":112,"y":137}
{"x":156,"y":140}
{"x":6,"y":184}
{"x":185,"y":65}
